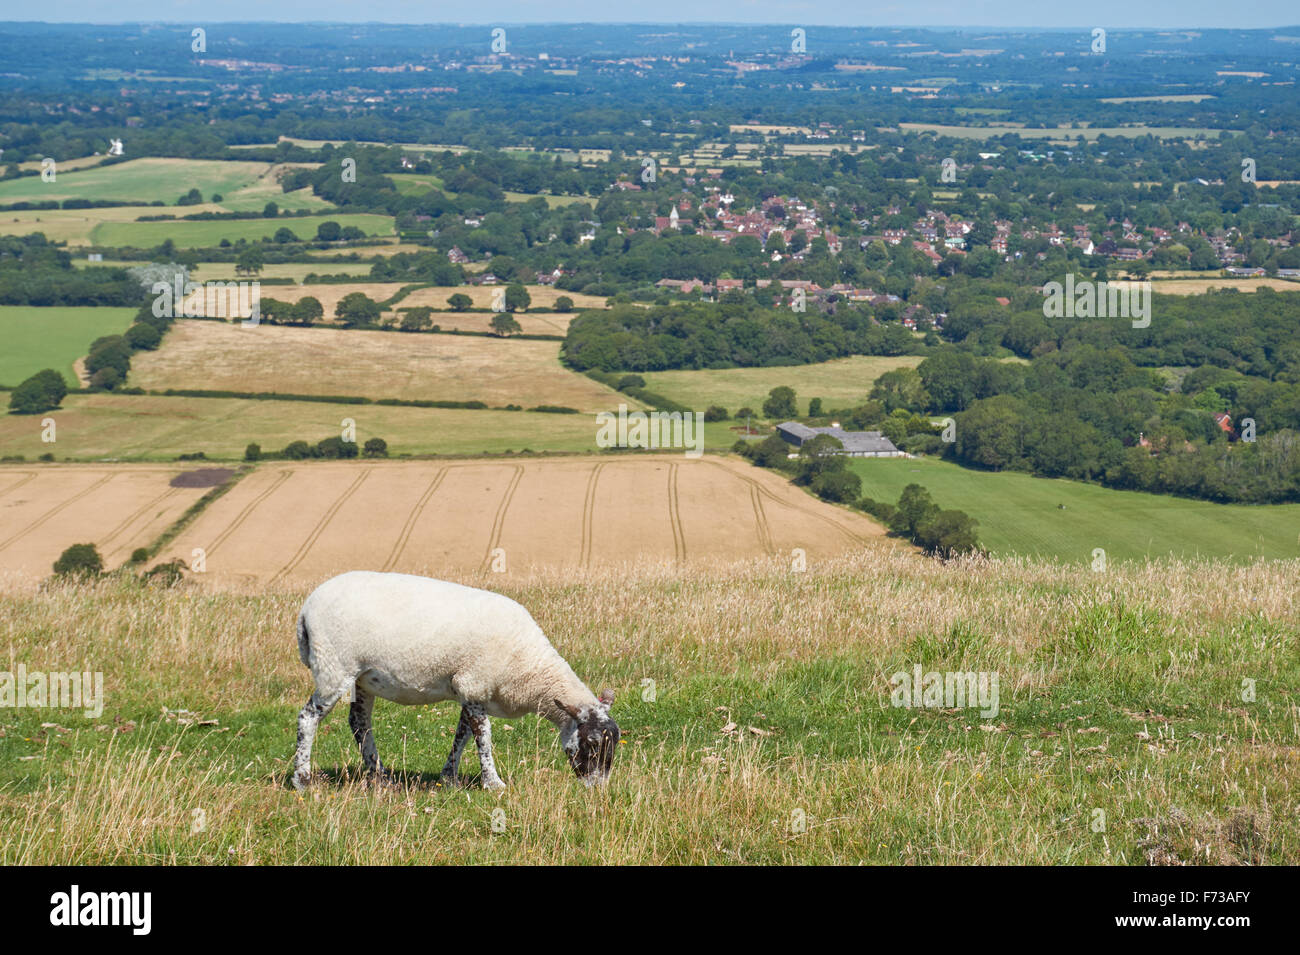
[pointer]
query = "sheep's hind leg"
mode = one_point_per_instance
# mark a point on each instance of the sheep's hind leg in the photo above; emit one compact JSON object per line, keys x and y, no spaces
{"x":452,"y":767}
{"x":363,"y":731}
{"x":317,"y":708}
{"x":482,"y":728}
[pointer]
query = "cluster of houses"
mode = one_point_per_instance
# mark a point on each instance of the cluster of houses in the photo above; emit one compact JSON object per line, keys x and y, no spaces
{"x":934,"y":235}
{"x":776,"y":219}
{"x":913,"y":316}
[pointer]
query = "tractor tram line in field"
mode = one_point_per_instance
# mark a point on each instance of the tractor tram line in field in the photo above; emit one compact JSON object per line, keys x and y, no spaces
{"x":412,"y":519}
{"x":54,"y":511}
{"x":464,"y":517}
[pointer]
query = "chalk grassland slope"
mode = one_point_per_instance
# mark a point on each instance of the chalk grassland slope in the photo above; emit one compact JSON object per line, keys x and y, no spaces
{"x":1019,"y":514}
{"x":45,"y":509}
{"x":1118,"y":692}
{"x":36,"y":338}
{"x":151,"y":428}
{"x":842,"y":382}
{"x":228,"y":356}
{"x":304,"y":522}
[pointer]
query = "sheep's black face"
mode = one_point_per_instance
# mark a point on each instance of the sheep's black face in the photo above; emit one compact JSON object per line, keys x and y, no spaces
{"x":591,"y":739}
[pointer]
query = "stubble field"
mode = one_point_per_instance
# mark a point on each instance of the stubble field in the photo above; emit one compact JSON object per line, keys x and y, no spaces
{"x":45,"y":509}
{"x":297,"y":522}
{"x":228,"y":356}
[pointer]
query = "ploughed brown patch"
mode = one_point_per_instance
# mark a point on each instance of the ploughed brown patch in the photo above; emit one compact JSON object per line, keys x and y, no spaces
{"x":202,"y":477}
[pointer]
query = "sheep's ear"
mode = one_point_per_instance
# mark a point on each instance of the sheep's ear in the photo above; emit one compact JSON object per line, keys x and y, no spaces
{"x":571,"y":710}
{"x":607,"y":698}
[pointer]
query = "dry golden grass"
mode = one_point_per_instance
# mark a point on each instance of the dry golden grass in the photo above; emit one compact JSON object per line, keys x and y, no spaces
{"x":1201,"y":286}
{"x":75,"y":226}
{"x":540,"y":323}
{"x":329,"y":361}
{"x":542,"y":296}
{"x":329,"y":295}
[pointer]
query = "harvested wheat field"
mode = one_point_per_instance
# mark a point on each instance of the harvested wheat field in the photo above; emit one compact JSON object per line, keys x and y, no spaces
{"x":294,"y":524}
{"x":329,"y":295}
{"x":46,"y":509}
{"x":542,"y":323}
{"x":227,"y":356}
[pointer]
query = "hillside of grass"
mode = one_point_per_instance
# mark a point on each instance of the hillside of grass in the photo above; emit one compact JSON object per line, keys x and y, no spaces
{"x":1144,"y":717}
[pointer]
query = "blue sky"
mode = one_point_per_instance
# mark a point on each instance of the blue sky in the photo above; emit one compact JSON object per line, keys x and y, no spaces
{"x":1113,"y":14}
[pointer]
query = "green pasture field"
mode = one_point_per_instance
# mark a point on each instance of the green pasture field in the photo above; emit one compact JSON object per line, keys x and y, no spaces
{"x":36,"y":338}
{"x":840,"y":383}
{"x":1021,"y":515}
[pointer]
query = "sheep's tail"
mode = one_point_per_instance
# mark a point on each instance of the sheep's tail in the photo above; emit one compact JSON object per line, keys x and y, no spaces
{"x":304,"y":641}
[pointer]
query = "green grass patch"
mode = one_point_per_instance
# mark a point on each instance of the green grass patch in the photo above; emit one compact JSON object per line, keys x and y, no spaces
{"x":210,"y":233}
{"x":1021,"y":515}
{"x":840,"y":383}
{"x":146,"y":180}
{"x":36,"y":338}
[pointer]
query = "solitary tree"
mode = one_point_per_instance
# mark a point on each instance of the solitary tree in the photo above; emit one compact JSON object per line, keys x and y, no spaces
{"x":517,"y":298}
{"x":780,"y":403}
{"x":417,"y":319}
{"x":308,"y":310}
{"x":356,"y":308}
{"x":503,"y":323}
{"x":43,"y":391}
{"x":250,"y":261}
{"x":79,"y":560}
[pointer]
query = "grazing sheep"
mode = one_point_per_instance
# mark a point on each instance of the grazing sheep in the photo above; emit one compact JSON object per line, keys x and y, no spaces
{"x":415,"y":640}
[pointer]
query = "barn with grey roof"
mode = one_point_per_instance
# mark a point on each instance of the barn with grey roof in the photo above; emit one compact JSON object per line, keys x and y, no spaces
{"x":857,"y":444}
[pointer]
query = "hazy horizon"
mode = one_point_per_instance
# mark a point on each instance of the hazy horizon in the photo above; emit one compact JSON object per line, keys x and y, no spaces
{"x":977,"y":15}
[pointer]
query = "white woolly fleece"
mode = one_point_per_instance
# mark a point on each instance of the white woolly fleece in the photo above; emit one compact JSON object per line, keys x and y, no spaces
{"x":416,"y":640}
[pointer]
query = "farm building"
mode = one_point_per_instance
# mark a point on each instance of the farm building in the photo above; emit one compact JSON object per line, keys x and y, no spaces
{"x":857,"y":444}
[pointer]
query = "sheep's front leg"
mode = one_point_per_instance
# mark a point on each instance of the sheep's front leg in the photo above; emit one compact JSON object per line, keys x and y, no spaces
{"x":359,"y":718}
{"x":482,"y":729}
{"x":452,"y":768}
{"x":317,"y":708}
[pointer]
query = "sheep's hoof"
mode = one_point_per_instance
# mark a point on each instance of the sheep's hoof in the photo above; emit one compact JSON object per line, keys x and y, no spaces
{"x":493,"y":784}
{"x":301,"y":781}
